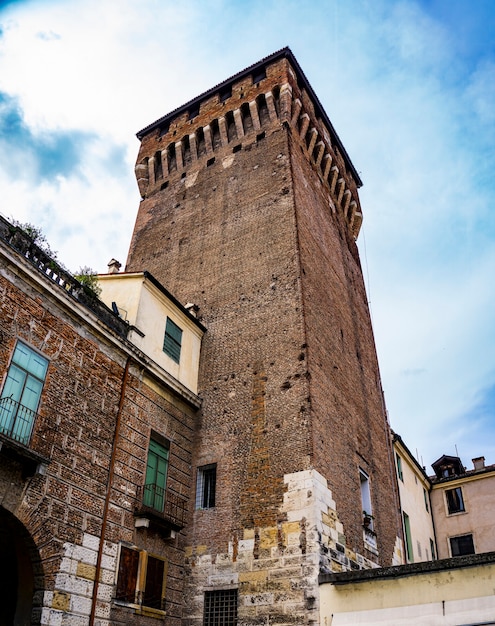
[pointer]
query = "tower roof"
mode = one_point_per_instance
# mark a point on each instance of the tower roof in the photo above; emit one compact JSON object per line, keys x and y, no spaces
{"x":302,"y":82}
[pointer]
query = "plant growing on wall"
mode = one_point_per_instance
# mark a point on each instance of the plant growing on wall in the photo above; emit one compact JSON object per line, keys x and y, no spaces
{"x":38,"y":237}
{"x":89,"y":280}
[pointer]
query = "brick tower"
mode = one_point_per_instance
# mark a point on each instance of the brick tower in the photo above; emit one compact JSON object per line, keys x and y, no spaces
{"x":250,"y":210}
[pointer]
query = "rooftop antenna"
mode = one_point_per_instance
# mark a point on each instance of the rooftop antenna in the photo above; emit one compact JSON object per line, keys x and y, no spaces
{"x":456,"y":453}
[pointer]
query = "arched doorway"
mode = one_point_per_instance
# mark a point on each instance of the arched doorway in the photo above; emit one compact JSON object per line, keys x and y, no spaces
{"x":20,"y":572}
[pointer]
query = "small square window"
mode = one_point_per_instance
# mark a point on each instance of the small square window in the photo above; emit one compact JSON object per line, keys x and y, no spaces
{"x":225,"y":94}
{"x":455,"y":502}
{"x":173,"y":340}
{"x":459,"y":546}
{"x":259,"y":75}
{"x":206,"y":486}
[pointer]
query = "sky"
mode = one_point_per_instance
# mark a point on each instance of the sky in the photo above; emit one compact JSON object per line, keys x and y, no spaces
{"x":409,"y":85}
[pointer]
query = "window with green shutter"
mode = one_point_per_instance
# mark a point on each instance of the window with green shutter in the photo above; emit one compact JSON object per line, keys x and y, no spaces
{"x":156,"y":476}
{"x":173,"y":340}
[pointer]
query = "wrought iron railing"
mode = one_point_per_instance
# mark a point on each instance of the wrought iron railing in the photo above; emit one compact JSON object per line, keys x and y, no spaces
{"x":16,"y":420}
{"x":370,"y":536}
{"x":21,"y":426}
{"x":162,"y":504}
{"x":46,"y":265}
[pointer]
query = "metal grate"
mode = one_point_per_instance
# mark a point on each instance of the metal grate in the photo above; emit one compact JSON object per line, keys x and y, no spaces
{"x":220,"y":608}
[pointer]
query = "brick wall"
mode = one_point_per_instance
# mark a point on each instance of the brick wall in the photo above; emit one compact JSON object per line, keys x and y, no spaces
{"x":61,"y":510}
{"x":259,"y":232}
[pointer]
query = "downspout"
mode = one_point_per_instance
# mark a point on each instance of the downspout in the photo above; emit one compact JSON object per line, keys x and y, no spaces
{"x":111,"y":472}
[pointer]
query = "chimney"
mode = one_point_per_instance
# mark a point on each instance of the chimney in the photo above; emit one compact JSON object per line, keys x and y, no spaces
{"x":479,"y":462}
{"x":192,"y":308}
{"x":114,"y":266}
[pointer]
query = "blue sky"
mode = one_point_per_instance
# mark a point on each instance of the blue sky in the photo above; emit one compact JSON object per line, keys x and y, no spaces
{"x":409,"y":86}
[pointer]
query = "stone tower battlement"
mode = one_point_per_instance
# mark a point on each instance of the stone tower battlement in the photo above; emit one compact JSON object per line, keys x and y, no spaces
{"x":250,"y":209}
{"x":239,"y":112}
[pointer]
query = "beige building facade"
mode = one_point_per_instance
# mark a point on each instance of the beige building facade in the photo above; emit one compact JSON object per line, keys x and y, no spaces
{"x":416,"y":511}
{"x":453,"y":592}
{"x":159,"y":325}
{"x":463,"y":504}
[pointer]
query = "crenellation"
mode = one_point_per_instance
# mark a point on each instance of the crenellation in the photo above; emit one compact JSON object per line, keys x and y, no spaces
{"x":346,"y":200}
{"x":254,"y":114}
{"x":303,"y":125}
{"x":238,"y":124}
{"x":311,"y":140}
{"x":208,"y":139}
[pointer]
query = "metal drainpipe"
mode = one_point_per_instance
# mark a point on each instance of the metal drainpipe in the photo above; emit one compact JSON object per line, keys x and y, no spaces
{"x":107,"y":497}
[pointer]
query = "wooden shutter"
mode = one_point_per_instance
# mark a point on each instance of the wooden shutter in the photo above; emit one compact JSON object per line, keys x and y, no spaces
{"x":154,"y":587}
{"x":172,"y":341}
{"x":128,"y":573}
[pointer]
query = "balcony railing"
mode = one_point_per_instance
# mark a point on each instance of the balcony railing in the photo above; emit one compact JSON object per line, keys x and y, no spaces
{"x":16,"y":421}
{"x":22,"y":431}
{"x":370,"y":537}
{"x":20,"y":241}
{"x":161,"y":505}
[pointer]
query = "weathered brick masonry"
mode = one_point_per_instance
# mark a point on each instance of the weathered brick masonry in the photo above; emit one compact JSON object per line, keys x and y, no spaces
{"x":250,"y":209}
{"x":51,"y":519}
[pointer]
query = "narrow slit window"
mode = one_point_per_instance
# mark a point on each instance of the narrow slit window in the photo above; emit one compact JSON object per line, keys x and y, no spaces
{"x":158,"y":165}
{"x":398,"y":461}
{"x":230,"y":123}
{"x":206,"y":486}
{"x":408,"y":537}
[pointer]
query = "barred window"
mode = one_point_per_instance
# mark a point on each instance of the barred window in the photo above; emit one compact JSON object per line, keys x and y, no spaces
{"x":220,"y":608}
{"x":206,"y":486}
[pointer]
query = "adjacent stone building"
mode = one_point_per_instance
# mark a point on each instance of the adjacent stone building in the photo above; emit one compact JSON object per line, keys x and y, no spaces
{"x":96,"y":445}
{"x":250,"y":209}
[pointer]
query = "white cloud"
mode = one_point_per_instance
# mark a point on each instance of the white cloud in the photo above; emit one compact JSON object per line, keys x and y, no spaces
{"x":415,"y":115}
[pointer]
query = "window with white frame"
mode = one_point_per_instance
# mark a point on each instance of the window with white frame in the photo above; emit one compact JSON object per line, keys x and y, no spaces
{"x":366,"y":499}
{"x":206,"y":483}
{"x":455,"y":501}
{"x":461,"y":545}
